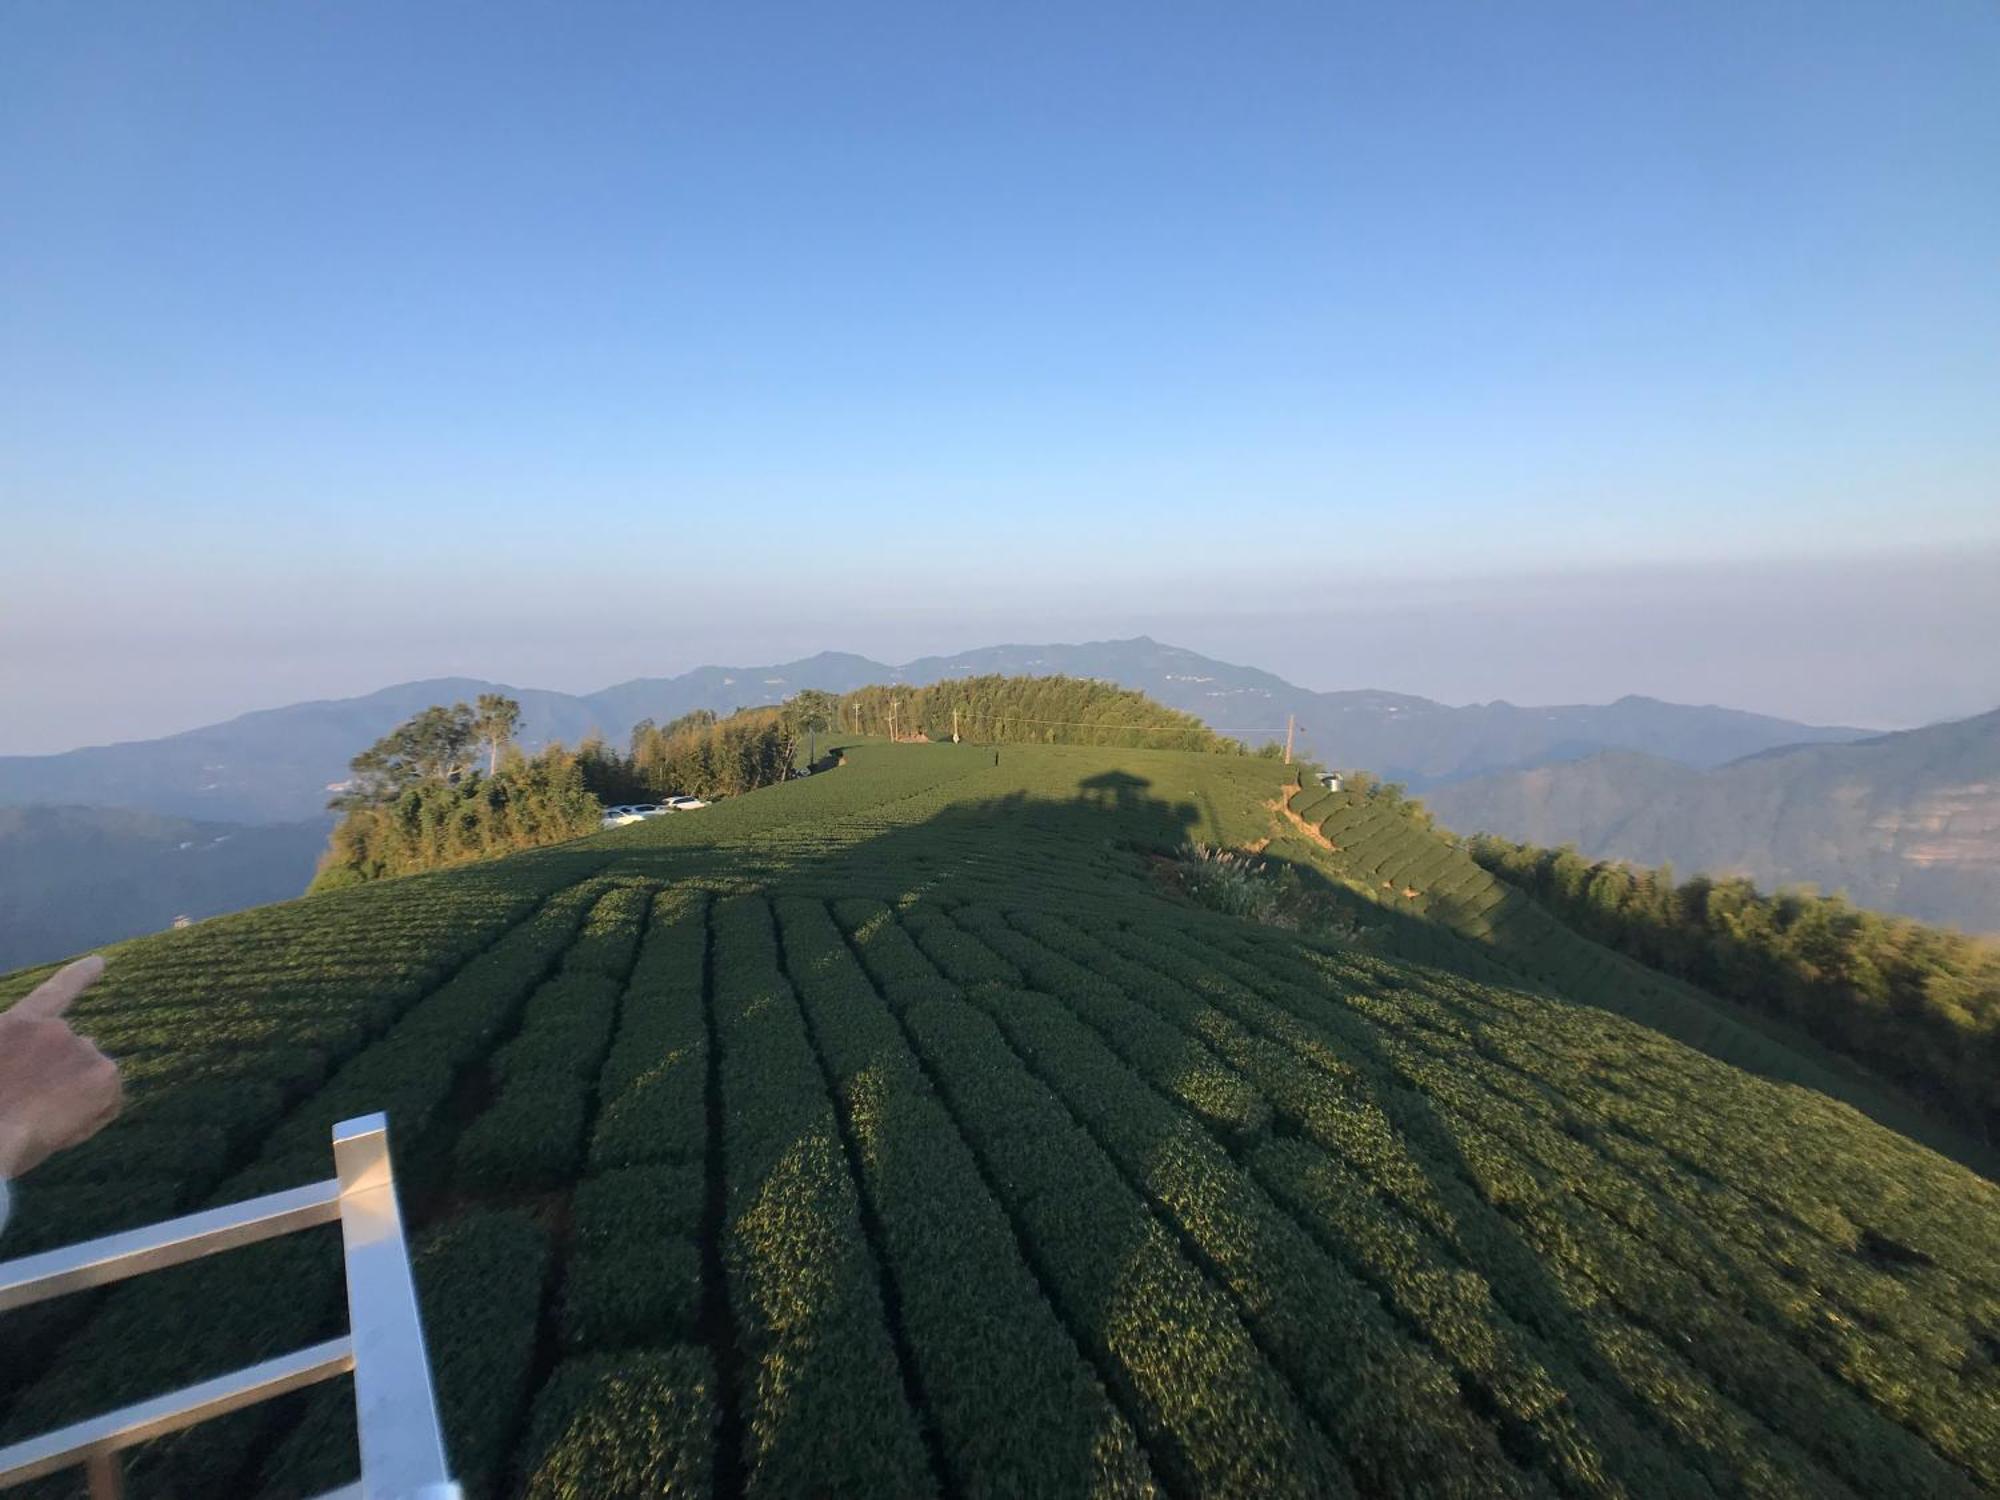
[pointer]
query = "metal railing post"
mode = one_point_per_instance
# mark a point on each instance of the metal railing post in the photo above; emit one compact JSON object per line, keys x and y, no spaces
{"x":402,"y":1448}
{"x":104,"y":1476}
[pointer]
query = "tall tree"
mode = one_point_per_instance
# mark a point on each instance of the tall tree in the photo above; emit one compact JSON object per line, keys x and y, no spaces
{"x":499,"y":717}
{"x":808,"y":713}
{"x":433,"y":746}
{"x":434,"y":822}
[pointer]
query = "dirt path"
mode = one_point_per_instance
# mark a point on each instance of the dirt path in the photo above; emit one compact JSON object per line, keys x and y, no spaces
{"x":1282,"y":806}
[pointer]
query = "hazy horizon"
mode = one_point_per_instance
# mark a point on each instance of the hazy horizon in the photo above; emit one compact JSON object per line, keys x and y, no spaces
{"x":1541,"y":641}
{"x":1470,"y":352}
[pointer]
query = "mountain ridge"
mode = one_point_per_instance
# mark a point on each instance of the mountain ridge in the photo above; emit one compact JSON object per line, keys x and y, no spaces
{"x":1905,"y":822}
{"x":276,"y":764}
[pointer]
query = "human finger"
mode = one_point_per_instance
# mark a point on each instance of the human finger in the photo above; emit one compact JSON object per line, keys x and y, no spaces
{"x":109,"y":1107}
{"x":56,"y":993}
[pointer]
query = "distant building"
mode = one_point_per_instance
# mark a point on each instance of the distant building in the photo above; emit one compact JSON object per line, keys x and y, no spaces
{"x":183,"y":921}
{"x":1330,"y":780}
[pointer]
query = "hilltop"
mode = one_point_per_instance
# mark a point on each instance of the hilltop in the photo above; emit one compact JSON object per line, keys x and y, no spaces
{"x":1906,"y":822}
{"x":907,"y":1130}
{"x":282,"y":765}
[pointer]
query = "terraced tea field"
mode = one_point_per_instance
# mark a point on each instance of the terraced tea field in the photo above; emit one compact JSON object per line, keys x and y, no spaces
{"x":1422,"y":898}
{"x":896,"y":1133}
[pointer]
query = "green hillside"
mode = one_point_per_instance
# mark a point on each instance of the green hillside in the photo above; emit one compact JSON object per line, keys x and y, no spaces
{"x":899,"y":1132}
{"x":1421,"y":897}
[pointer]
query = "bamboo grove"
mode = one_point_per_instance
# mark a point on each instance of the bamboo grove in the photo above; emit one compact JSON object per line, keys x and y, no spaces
{"x":1026,"y":710}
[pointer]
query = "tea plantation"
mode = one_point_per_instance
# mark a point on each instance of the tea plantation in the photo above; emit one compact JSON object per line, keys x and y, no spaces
{"x":1419,"y":896}
{"x":899,"y":1133}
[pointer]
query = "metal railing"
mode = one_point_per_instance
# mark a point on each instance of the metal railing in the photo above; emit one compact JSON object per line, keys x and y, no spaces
{"x":402,"y":1449}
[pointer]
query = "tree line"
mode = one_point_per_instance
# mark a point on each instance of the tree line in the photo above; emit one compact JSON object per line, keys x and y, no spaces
{"x":700,"y":754}
{"x":449,"y":784}
{"x":420,"y":798}
{"x":1917,"y":1003}
{"x":1039,"y":710}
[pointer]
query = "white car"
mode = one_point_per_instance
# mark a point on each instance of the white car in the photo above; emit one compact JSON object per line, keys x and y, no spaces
{"x":618,"y":817}
{"x":685,"y":804}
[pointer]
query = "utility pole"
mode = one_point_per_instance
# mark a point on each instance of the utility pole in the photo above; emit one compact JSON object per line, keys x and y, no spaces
{"x":892,"y":721}
{"x":1290,"y":721}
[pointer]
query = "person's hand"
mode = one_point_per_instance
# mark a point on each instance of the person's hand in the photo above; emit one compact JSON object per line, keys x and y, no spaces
{"x":56,"y":1088}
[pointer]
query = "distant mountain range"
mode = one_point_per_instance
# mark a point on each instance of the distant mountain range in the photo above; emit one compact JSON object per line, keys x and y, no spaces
{"x":1906,"y":822}
{"x":73,"y":878}
{"x":1403,"y":738}
{"x":115,"y":840}
{"x":276,"y":765}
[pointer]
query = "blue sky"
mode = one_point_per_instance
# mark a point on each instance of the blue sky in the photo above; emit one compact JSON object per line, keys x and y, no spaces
{"x":345,"y":344}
